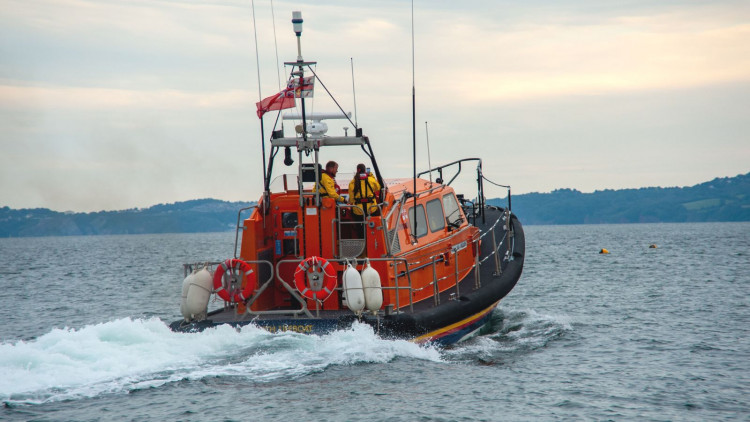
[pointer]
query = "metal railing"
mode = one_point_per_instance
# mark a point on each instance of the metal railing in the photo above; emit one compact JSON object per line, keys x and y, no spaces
{"x":503,"y":224}
{"x":303,"y":301}
{"x":189,"y":268}
{"x":459,"y":167}
{"x":238,"y":227}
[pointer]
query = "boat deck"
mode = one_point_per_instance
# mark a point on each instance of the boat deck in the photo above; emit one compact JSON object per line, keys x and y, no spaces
{"x":474,"y":297}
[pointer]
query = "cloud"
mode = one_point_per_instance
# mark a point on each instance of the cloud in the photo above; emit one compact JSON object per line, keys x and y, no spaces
{"x":85,"y":98}
{"x":619,"y":54}
{"x":156,"y":98}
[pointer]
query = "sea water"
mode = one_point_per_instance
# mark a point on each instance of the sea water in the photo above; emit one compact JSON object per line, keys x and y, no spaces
{"x":639,"y":334}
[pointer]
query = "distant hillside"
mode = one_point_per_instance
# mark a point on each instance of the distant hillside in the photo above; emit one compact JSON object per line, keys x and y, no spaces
{"x":721,"y":199}
{"x":200,"y":215}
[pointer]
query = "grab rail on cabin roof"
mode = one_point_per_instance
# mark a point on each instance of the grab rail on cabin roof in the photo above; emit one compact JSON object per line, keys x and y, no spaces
{"x":439,"y":169}
{"x":481,"y":178}
{"x":458,"y":164}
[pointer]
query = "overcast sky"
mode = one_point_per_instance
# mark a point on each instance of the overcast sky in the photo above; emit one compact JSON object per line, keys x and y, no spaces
{"x":114,"y":104}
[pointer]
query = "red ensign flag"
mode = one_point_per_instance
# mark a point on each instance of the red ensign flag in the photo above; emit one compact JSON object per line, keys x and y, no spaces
{"x":280,"y":101}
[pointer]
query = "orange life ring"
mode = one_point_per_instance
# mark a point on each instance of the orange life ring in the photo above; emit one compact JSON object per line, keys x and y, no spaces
{"x":235,"y":266}
{"x":315,"y":278}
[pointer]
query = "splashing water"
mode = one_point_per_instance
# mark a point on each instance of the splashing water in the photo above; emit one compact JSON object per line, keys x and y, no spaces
{"x":127,"y":354}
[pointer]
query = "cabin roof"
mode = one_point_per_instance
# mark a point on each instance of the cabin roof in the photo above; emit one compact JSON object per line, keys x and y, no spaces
{"x":397,"y":187}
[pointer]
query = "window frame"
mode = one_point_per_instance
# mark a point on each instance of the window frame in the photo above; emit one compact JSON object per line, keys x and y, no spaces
{"x":441,"y":221}
{"x":420,"y":223}
{"x":460,"y":215}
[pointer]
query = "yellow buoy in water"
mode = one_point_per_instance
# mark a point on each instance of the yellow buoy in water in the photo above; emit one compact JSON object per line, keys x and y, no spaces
{"x":603,"y":251}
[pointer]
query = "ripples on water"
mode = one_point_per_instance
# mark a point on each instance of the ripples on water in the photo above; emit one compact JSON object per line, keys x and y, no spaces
{"x":639,"y":334}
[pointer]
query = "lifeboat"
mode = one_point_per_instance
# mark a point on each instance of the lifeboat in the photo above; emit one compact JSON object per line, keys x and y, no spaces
{"x":409,"y":256}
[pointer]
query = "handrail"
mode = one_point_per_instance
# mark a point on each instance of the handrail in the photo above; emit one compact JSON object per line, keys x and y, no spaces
{"x":439,"y":169}
{"x":504,"y":217}
{"x":237,"y":228}
{"x":398,"y":274}
{"x":188,"y":268}
{"x":338,"y":222}
{"x":303,"y":302}
{"x":430,"y":190}
{"x":419,"y":267}
{"x":480,"y":179}
{"x":501,"y":186}
{"x":387,"y":228}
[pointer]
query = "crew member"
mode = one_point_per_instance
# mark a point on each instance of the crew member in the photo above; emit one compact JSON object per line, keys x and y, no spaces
{"x":362,"y":190}
{"x":328,"y":185}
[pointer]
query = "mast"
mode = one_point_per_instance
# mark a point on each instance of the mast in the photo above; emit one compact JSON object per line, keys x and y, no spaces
{"x":299,"y":75}
{"x":297,"y":23}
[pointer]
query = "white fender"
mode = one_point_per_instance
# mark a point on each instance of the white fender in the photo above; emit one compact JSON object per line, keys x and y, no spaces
{"x":372,"y":289}
{"x":185,"y":286}
{"x":355,"y":296}
{"x":199,"y":291}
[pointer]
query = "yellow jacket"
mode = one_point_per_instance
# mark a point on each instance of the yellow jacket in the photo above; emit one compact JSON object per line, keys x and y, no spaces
{"x":328,"y":188}
{"x":367,"y":189}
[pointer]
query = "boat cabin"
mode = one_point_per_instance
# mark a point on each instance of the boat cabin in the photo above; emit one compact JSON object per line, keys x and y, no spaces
{"x":419,"y":245}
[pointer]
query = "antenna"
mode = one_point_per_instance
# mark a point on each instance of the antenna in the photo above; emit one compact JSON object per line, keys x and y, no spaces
{"x":297,"y":23}
{"x":276,"y":46}
{"x":260,"y":99}
{"x":414,"y":122}
{"x":429,"y":161}
{"x":354,"y":92}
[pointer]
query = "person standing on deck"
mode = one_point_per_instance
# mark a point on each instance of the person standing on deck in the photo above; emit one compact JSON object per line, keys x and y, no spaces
{"x":327,"y":184}
{"x":362,"y":190}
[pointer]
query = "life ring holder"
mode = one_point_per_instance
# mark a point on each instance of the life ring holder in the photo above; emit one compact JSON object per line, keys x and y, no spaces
{"x":235,"y":266}
{"x":315,"y":278}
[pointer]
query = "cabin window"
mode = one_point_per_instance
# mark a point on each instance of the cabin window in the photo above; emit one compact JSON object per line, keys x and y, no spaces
{"x":452,"y":210}
{"x":435,"y":215}
{"x":421,"y":221}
